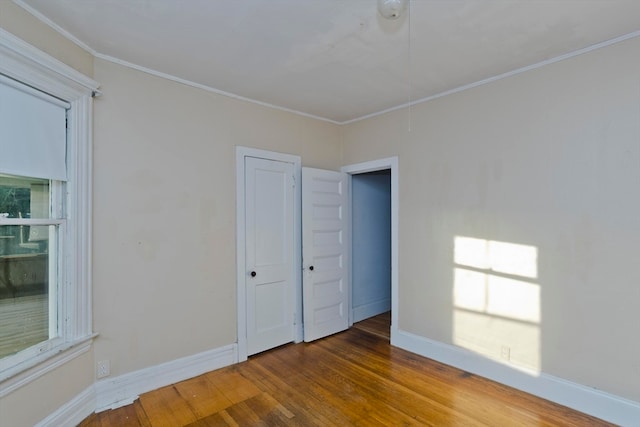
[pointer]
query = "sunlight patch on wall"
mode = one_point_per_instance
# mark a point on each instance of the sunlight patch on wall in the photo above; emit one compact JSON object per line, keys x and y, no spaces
{"x":497,"y":301}
{"x":501,"y":257}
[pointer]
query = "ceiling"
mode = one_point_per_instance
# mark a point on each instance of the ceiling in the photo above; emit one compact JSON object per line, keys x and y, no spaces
{"x":336,"y":59}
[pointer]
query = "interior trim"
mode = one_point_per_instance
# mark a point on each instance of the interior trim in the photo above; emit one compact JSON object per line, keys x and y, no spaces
{"x":73,"y":412}
{"x":124,"y":389}
{"x":585,"y":399}
{"x":75,"y":40}
{"x":371,"y":166}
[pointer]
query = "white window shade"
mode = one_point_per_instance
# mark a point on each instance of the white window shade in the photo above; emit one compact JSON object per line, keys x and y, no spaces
{"x":33,"y":137}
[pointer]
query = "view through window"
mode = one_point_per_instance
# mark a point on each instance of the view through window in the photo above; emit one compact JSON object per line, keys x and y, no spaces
{"x":28,"y":240}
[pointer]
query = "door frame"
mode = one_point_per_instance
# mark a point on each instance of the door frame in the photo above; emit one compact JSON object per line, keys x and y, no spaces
{"x":241,"y":269}
{"x":372,"y":166}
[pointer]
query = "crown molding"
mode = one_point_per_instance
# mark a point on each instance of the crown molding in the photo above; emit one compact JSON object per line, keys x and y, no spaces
{"x":492,"y":79}
{"x":24,"y":62}
{"x":208,"y":88}
{"x":452,"y":91}
{"x":55,"y":26}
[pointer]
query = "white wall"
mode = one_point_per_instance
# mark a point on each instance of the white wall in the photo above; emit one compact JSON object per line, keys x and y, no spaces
{"x":371,"y":242}
{"x":164,"y":211}
{"x":548,"y":159}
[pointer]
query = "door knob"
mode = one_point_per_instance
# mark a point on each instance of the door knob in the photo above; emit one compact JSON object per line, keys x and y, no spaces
{"x":311,"y":267}
{"x":254,"y":274}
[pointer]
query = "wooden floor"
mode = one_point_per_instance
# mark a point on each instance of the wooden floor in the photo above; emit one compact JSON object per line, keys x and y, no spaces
{"x":24,"y":321}
{"x":351,"y":378}
{"x":379,"y":325}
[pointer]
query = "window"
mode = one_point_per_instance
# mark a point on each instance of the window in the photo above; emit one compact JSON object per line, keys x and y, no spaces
{"x":32,"y":217}
{"x":45,"y":213}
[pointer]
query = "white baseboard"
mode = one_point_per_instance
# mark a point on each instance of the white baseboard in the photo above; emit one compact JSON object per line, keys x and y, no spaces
{"x":119,"y":391}
{"x":73,"y":412}
{"x":372,"y":309}
{"x":591,"y":401}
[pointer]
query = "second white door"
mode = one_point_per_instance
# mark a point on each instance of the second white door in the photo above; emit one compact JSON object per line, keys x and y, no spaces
{"x":325,"y":252}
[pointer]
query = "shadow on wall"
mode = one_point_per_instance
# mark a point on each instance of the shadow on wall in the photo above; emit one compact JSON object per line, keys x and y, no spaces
{"x":496,"y":299}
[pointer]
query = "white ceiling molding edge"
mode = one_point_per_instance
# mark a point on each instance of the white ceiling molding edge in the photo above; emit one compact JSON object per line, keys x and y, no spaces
{"x":55,"y":27}
{"x":27,"y":64}
{"x":501,"y":76}
{"x":39,"y":16}
{"x":176,"y":79}
{"x":186,"y":82}
{"x":206,"y":88}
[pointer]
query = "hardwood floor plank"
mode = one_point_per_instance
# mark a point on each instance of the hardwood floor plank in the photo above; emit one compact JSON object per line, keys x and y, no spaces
{"x":390,"y":397}
{"x":356,"y":399}
{"x":451,"y":383}
{"x":420,"y":383}
{"x":277,"y":405}
{"x":221,"y":419}
{"x":232,"y":384}
{"x":331,"y":389}
{"x":259,"y":410}
{"x":302,"y":402}
{"x":243,"y":415}
{"x":130,"y":415}
{"x":379,"y":325}
{"x":202,"y":395}
{"x":227,"y":418}
{"x":142,"y":415}
{"x":166,"y":408}
{"x":354,"y":378}
{"x":316,"y":399}
{"x":126,"y":417}
{"x":490,"y":397}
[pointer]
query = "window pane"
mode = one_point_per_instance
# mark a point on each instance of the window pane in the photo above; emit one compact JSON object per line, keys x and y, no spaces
{"x":27,"y":286}
{"x":24,"y":198}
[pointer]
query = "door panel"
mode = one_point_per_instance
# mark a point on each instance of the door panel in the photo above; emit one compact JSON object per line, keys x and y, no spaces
{"x":269,"y":246}
{"x":325,"y":253}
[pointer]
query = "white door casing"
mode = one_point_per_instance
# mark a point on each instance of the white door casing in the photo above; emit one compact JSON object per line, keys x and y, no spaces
{"x":270,"y":291}
{"x":375,"y":165}
{"x":325,"y":253}
{"x":242,"y":270}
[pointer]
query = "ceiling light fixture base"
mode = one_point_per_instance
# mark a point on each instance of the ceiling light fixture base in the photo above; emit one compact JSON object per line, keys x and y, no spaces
{"x":391,"y":9}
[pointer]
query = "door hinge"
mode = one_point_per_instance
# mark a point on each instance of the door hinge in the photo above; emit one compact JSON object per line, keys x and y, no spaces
{"x":293,"y":180}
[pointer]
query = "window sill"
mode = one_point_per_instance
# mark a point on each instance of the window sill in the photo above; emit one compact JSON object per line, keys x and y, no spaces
{"x":19,"y":375}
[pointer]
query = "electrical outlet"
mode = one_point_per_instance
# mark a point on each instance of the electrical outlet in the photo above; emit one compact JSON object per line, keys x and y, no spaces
{"x":505,"y":352}
{"x":103,"y":369}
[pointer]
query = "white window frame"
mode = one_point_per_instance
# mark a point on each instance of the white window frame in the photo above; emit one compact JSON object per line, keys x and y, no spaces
{"x":26,"y":64}
{"x":57,"y":272}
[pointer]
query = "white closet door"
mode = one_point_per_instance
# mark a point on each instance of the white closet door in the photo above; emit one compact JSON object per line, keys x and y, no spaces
{"x":270,"y":292}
